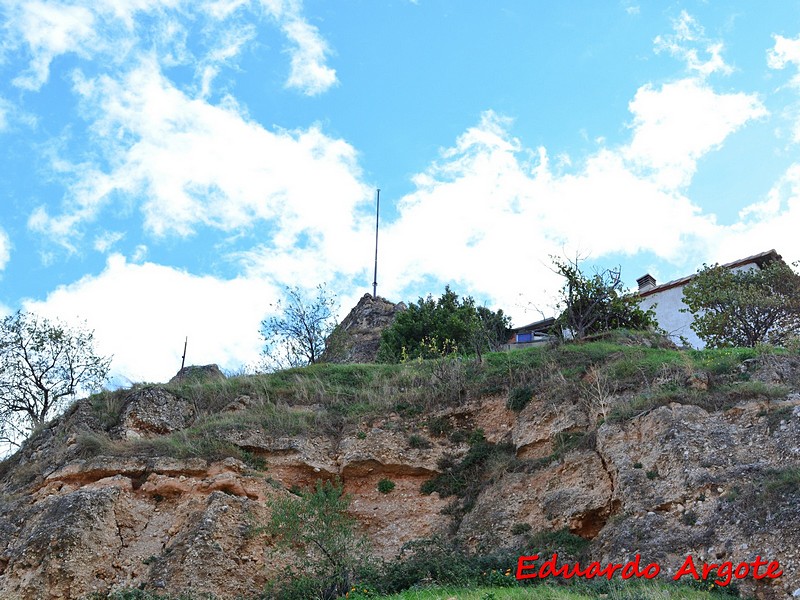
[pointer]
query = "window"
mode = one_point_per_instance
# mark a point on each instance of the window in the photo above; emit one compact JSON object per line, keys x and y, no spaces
{"x":524,"y":337}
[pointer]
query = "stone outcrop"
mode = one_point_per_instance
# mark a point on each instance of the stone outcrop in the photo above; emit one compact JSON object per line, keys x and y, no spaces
{"x":152,"y":410}
{"x":357,"y":337}
{"x":198,"y":374}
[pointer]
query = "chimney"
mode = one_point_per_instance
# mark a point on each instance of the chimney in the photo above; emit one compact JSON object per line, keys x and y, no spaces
{"x":646,"y":283}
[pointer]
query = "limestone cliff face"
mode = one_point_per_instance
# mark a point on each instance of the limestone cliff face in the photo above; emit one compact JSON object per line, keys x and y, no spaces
{"x":76,"y":518}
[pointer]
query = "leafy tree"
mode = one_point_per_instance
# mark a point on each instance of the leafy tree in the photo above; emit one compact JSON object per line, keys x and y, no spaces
{"x":317,"y":525}
{"x":297,"y":336}
{"x":433,"y":328}
{"x":594,"y":303}
{"x":744,"y":308}
{"x":43,"y":365}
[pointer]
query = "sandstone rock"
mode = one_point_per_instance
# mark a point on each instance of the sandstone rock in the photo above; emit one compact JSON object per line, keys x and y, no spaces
{"x":152,"y":410}
{"x":357,"y":337}
{"x":540,"y":421}
{"x":198,"y":374}
{"x":698,"y":381}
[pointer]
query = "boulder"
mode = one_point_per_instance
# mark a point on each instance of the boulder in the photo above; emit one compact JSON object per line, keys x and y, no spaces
{"x":153,"y":410}
{"x":357,"y":338}
{"x":197,"y":373}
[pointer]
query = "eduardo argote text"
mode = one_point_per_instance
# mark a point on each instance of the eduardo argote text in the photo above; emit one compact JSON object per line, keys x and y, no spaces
{"x":720,"y":573}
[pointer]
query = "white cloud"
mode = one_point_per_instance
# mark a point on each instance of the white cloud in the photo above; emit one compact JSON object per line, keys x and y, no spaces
{"x":683,"y":44}
{"x":190,"y":165}
{"x":112,"y":32}
{"x":141,"y":314}
{"x":676,"y":124}
{"x":105,"y":241}
{"x":49,"y":29}
{"x":489,"y":213}
{"x":785,"y":51}
{"x":5,"y":249}
{"x":770,"y":223}
{"x":309,"y":73}
{"x":488,"y":199}
{"x":139,"y":253}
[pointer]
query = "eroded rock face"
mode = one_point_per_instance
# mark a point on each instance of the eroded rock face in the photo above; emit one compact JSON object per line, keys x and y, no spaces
{"x":666,"y":483}
{"x":693,"y":482}
{"x":166,"y":525}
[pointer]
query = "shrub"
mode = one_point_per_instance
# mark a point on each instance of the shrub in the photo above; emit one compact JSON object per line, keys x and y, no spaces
{"x":449,"y":325}
{"x":418,"y":442}
{"x":458,"y":436}
{"x":385,"y":486}
{"x":520,"y":528}
{"x":439,"y":426}
{"x":318,"y":527}
{"x":445,"y":562}
{"x":466,"y":478}
{"x":519,"y":397}
{"x":561,"y":541}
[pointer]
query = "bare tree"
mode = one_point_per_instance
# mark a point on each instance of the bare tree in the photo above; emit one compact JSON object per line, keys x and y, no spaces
{"x":298,"y":334}
{"x":43,"y":365}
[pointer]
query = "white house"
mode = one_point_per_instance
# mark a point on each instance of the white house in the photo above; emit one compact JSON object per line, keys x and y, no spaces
{"x":667,"y":298}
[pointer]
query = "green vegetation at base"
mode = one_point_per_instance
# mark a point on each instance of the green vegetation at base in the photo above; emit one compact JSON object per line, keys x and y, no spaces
{"x":609,"y":590}
{"x":582,"y":591}
{"x":329,"y":552}
{"x":135,"y":594}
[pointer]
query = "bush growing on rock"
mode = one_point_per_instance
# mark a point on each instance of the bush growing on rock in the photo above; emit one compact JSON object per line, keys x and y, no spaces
{"x":385,"y":486}
{"x":316,"y":524}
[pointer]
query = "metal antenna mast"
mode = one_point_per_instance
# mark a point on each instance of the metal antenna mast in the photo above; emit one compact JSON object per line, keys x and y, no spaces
{"x":377,"y":218}
{"x":183,"y":359}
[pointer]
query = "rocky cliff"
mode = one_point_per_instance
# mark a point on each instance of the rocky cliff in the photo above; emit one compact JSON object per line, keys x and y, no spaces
{"x":636,"y":449}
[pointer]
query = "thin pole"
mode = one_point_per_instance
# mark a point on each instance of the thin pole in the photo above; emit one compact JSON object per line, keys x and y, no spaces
{"x":377,"y":218}
{"x":183,"y":359}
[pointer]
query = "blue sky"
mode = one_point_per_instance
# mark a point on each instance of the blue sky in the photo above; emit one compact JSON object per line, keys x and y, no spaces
{"x":168,"y":166}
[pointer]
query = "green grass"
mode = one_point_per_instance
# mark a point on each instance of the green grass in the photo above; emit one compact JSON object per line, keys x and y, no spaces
{"x":612,"y":591}
{"x":338,"y":398}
